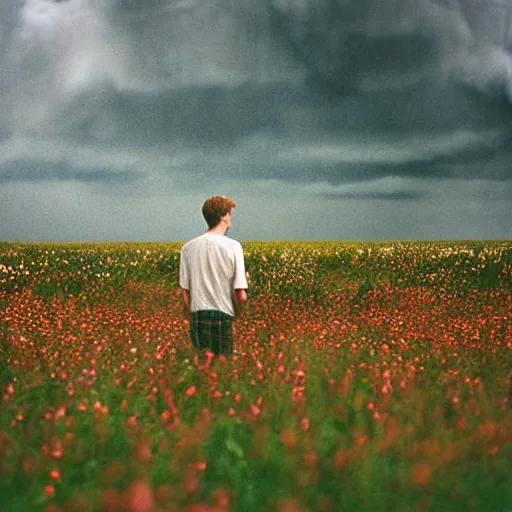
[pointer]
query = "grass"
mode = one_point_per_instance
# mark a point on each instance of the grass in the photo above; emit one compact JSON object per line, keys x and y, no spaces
{"x":360,"y":382}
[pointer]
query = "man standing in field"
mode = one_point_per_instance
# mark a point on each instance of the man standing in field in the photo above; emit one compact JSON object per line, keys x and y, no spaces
{"x":213,"y":281}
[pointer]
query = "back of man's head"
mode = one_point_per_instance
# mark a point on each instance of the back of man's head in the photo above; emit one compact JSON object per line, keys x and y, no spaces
{"x":216,"y":207}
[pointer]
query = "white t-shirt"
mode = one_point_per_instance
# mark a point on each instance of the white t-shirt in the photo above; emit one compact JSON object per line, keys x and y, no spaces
{"x":211,"y":268}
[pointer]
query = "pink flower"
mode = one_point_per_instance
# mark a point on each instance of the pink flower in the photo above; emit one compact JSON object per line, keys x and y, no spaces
{"x":140,"y":497}
{"x":304,"y":424}
{"x":191,"y":391}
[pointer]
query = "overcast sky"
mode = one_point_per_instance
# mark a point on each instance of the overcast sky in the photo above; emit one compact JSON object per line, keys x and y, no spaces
{"x":322,"y":119}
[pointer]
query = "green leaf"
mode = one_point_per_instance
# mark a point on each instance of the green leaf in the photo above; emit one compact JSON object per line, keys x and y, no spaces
{"x":233,"y":447}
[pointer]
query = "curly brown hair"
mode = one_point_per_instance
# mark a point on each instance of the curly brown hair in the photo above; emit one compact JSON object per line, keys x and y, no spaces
{"x":216,"y":207}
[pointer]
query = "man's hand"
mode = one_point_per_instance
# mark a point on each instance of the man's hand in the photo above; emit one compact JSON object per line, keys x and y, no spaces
{"x":186,"y":304}
{"x":240,"y":300}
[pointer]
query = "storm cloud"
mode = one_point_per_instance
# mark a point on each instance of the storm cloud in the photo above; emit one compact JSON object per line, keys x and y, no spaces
{"x":374,"y":106}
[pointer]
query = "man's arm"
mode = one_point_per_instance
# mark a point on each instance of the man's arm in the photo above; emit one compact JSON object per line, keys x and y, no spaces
{"x":240,"y":300}
{"x":186,"y":303}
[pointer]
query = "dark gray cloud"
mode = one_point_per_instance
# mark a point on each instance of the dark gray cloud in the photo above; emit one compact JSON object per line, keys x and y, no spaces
{"x":195,"y":117}
{"x":32,"y":171}
{"x":342,"y":43}
{"x":381,"y":196}
{"x":332,"y":99}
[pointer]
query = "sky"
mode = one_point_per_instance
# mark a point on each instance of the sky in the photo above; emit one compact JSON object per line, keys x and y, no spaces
{"x":321,"y":119}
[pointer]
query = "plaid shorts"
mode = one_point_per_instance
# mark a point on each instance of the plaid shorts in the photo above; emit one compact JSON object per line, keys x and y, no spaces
{"x":212,"y":330}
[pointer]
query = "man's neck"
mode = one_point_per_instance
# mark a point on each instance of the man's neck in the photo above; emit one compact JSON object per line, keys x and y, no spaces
{"x":220,"y":229}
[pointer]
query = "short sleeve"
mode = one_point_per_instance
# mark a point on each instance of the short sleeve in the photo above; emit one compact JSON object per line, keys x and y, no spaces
{"x":240,"y":282}
{"x":184,"y":272}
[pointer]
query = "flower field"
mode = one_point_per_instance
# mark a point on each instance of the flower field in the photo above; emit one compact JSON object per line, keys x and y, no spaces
{"x":366,"y":376}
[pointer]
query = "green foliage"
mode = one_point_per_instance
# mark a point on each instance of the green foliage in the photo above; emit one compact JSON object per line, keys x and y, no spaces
{"x":367,"y":376}
{"x":295,"y":268}
{"x":229,"y":453}
{"x":77,"y":269}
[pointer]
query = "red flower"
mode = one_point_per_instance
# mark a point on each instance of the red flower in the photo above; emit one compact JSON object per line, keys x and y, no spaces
{"x":191,"y":391}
